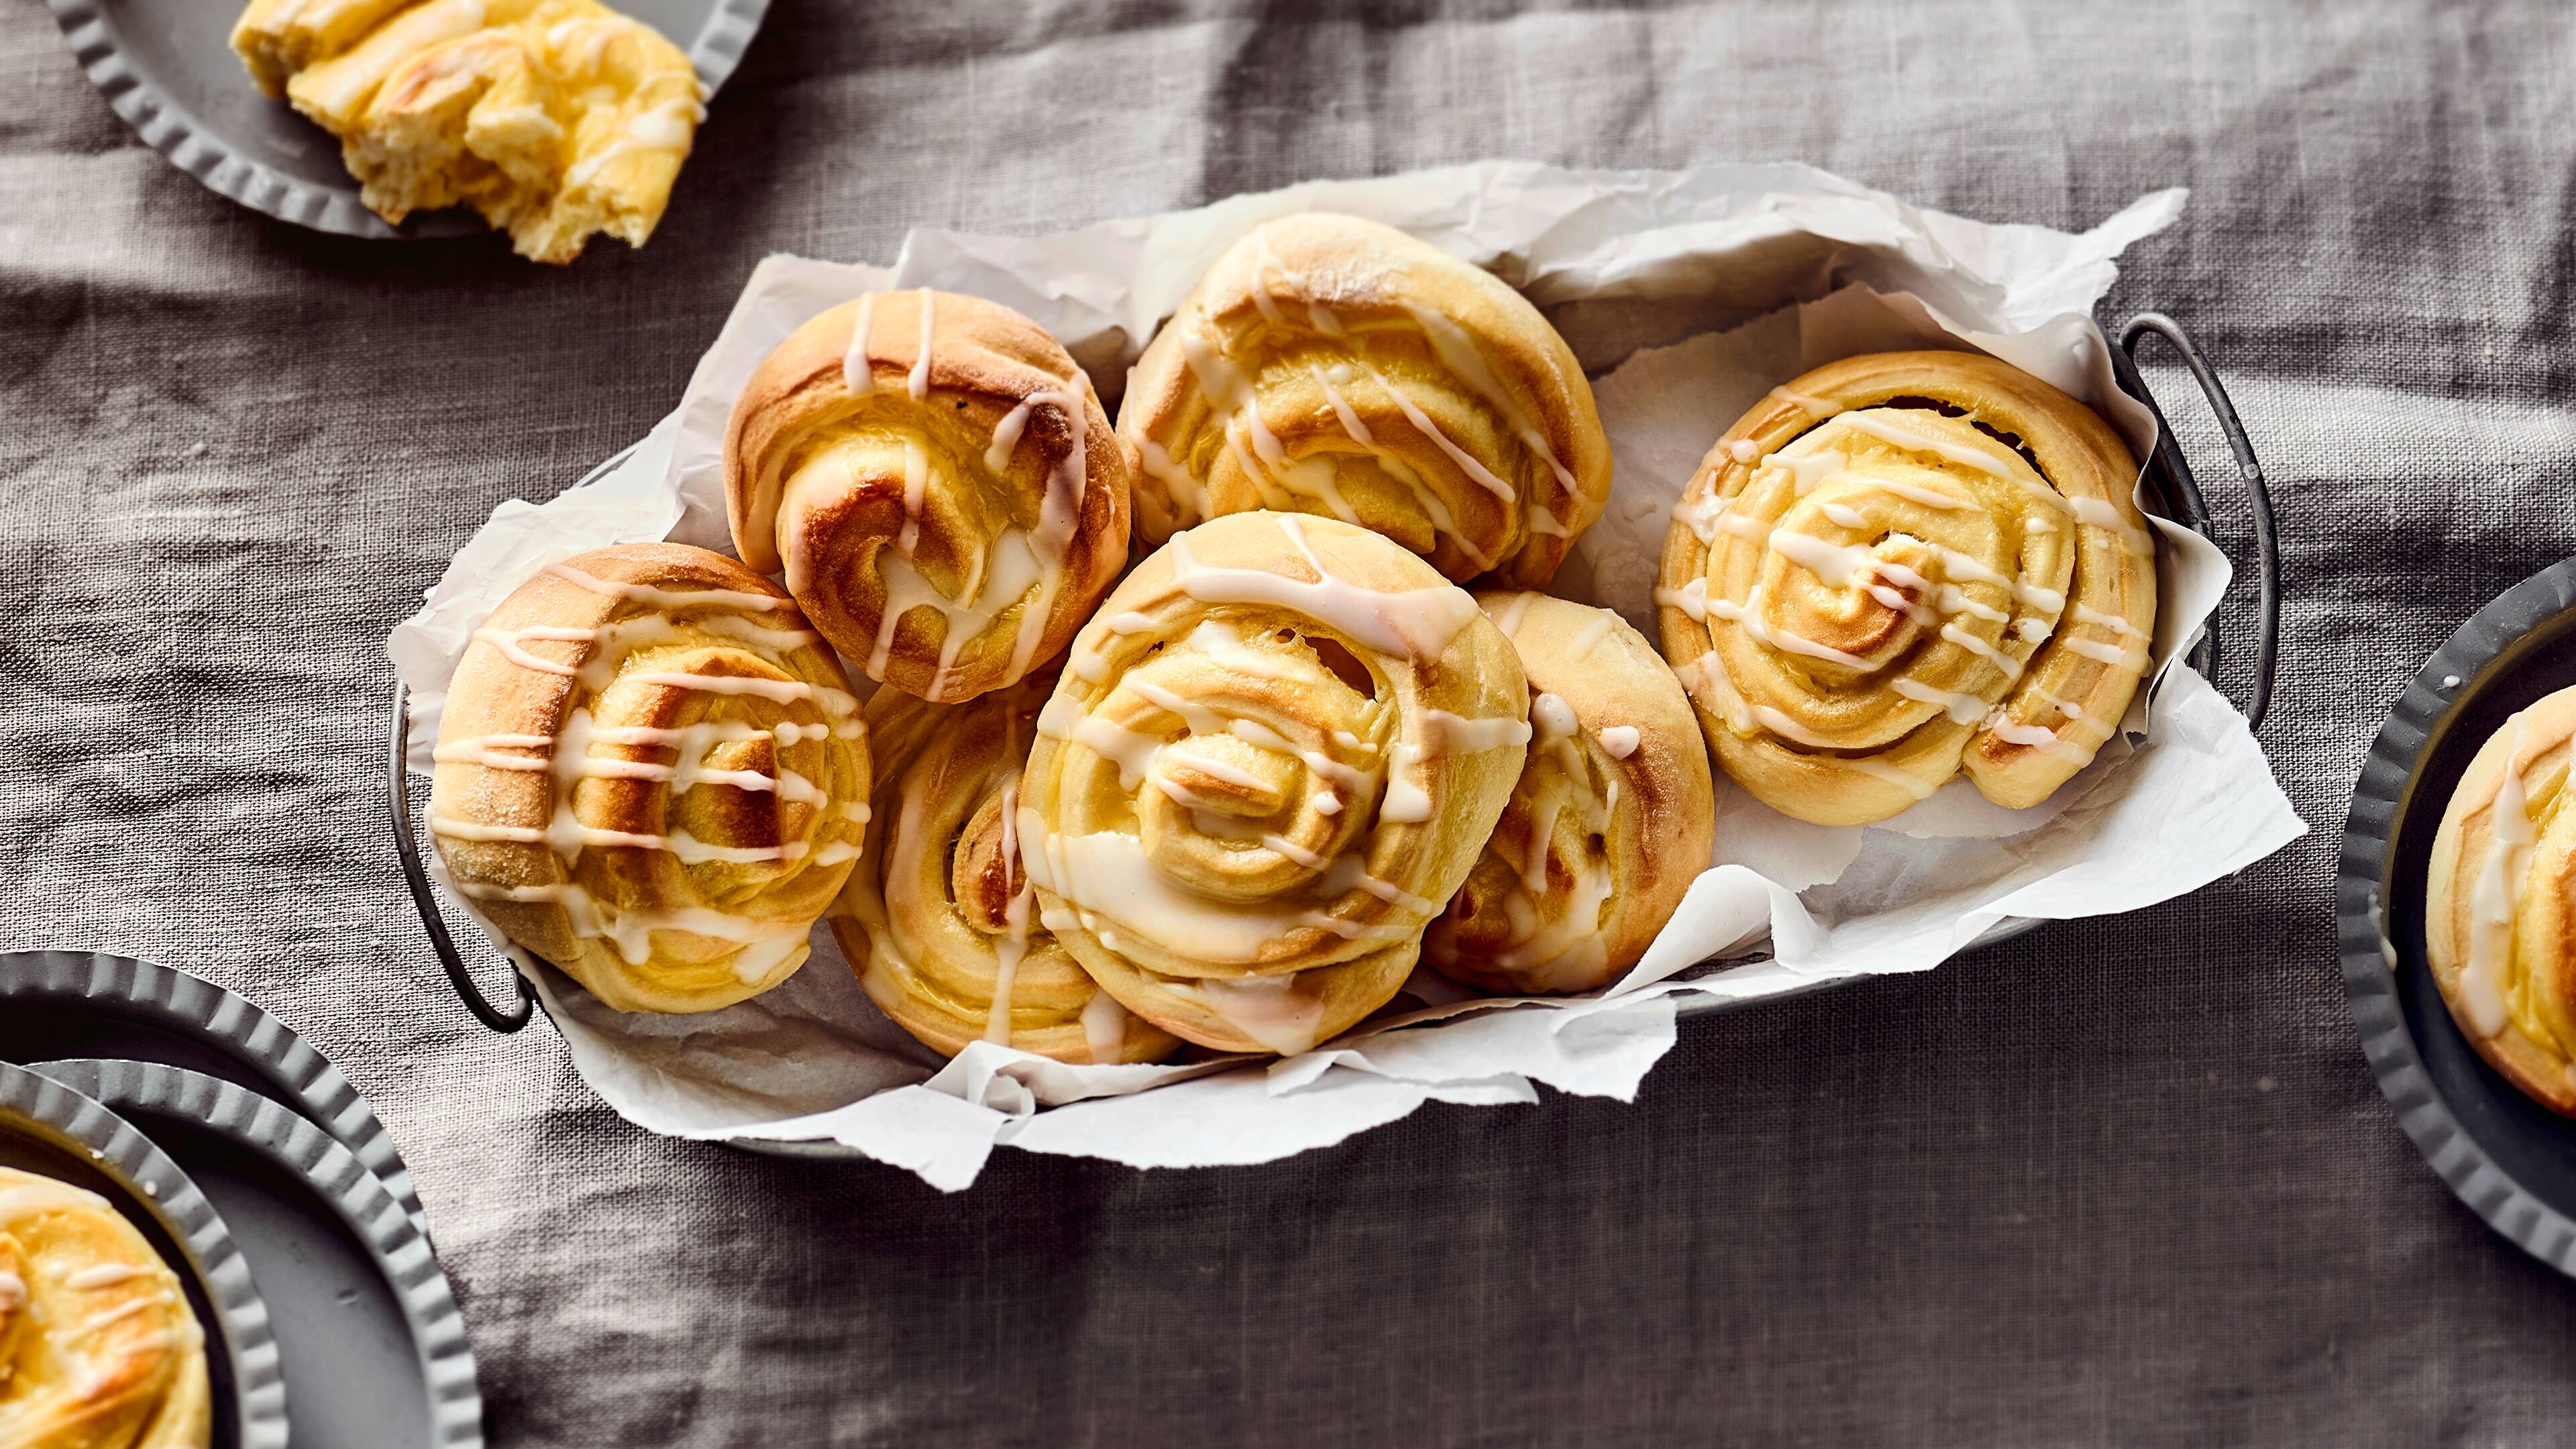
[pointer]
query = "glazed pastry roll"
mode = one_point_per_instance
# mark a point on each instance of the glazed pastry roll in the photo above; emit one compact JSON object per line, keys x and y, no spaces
{"x":1338,"y":367}
{"x":1904,"y":567}
{"x":652,"y":774}
{"x":940,"y":920}
{"x":556,"y":119}
{"x":937,"y":480}
{"x":2498,"y":921}
{"x":1270,"y":760}
{"x":1612,"y":819}
{"x":99,"y":1348}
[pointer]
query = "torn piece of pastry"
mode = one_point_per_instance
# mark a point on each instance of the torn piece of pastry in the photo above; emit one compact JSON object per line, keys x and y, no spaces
{"x":556,"y":119}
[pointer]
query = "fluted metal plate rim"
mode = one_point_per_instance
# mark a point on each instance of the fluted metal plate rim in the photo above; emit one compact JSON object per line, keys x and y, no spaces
{"x":2477,"y":657}
{"x":401,"y":1254}
{"x":172,"y":999}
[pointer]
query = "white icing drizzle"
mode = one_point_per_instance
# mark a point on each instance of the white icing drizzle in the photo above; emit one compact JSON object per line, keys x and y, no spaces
{"x":1880,"y":770}
{"x":1108,"y":873}
{"x":1406,"y":801}
{"x":1415,"y":623}
{"x":1743,"y":450}
{"x":2495,"y":894}
{"x":1692,"y":598}
{"x":1006,"y":437}
{"x":1961,"y":707}
{"x":1467,"y":462}
{"x":107,"y":1318}
{"x":1472,"y":736}
{"x":2112,"y":622}
{"x":1104,"y":1027}
{"x":1465,"y":361}
{"x":1188,"y":495}
{"x":2111,"y":654}
{"x":2095,"y":513}
{"x":1619,"y":741}
{"x":660,"y":598}
{"x":1552,"y":948}
{"x":568,"y":836}
{"x":568,"y":758}
{"x":858,"y":372}
{"x":1232,"y":395}
{"x":665,"y":127}
{"x":1269,"y":1010}
{"x":916,"y":485}
{"x":2004,"y":728}
{"x":766,"y":946}
{"x":1004,"y":572}
{"x":1816,"y":408}
{"x":919,"y":379}
{"x":13,"y":1292}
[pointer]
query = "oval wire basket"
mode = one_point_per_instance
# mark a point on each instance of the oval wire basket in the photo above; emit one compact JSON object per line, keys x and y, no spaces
{"x":2169,"y":477}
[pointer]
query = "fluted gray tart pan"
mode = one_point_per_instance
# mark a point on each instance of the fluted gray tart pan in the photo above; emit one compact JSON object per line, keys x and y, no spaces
{"x":373,"y":1349}
{"x":48,"y":1128}
{"x":85,"y":1004}
{"x":167,"y":68}
{"x":2511,"y":1160}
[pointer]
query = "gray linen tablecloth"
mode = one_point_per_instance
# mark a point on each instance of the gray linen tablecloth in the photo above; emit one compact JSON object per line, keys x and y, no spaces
{"x":2119,"y":1181}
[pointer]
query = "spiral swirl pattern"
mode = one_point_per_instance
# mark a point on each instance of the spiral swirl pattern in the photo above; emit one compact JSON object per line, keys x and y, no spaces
{"x":653,"y":775}
{"x":2500,"y":903}
{"x":98,"y":1346}
{"x":1269,"y":762}
{"x":1610,"y":821}
{"x":940,"y":920}
{"x":938,"y":482}
{"x":1903,"y":567}
{"x":1337,"y":367}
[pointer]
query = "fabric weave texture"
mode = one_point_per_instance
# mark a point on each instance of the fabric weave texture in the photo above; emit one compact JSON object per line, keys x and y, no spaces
{"x":2124,"y":1180}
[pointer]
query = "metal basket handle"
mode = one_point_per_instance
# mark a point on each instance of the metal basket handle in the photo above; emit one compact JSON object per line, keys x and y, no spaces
{"x":2174,"y":468}
{"x":407,"y":849}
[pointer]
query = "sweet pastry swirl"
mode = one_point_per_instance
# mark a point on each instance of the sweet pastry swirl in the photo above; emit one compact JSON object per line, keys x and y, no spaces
{"x":1612,"y":819}
{"x":653,"y":775}
{"x":555,"y":119}
{"x":1333,"y":366}
{"x":99,"y":1348}
{"x":940,"y":920}
{"x":1902,"y":567}
{"x":1270,"y":760}
{"x":2500,"y":903}
{"x":937,"y":480}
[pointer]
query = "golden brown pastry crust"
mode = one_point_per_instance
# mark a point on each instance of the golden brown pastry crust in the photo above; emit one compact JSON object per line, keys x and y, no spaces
{"x":1612,"y":819}
{"x":939,"y":919}
{"x":653,"y":775}
{"x":1906,"y":566}
{"x":2500,"y":903}
{"x":555,"y":119}
{"x":1269,"y":761}
{"x":983,"y":490}
{"x":1338,"y":367}
{"x":99,"y":1348}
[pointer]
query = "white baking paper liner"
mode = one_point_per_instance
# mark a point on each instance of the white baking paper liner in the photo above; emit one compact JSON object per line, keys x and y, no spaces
{"x":1687,"y":294}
